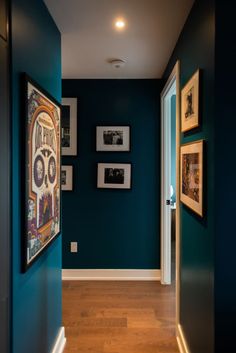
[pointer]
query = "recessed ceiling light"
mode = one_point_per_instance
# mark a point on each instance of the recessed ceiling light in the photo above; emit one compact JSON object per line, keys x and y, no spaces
{"x":120,"y":23}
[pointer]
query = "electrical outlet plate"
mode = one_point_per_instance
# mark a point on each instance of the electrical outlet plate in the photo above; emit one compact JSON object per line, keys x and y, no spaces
{"x":74,"y":246}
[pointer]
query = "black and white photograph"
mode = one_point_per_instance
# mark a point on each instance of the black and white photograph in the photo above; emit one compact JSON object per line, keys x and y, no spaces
{"x":69,"y":127}
{"x":113,"y":138}
{"x":114,"y":176}
{"x":67,"y":178}
{"x":190,"y":104}
{"x":63,"y":177}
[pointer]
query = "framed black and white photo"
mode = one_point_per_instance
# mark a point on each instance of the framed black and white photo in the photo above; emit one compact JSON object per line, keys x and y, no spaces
{"x":114,"y":175}
{"x":113,"y":138}
{"x":67,"y":178}
{"x":190,"y":104}
{"x":69,"y":127}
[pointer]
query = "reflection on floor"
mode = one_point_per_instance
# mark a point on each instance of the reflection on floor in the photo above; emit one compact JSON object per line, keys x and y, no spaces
{"x":119,"y":317}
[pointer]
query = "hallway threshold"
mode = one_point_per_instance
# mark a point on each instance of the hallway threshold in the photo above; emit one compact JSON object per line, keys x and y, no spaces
{"x":119,"y":317}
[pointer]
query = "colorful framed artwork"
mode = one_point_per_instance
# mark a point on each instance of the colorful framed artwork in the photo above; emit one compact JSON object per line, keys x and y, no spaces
{"x":69,"y":127}
{"x":67,"y":177}
{"x":191,"y":178}
{"x":113,"y":138}
{"x":190,"y":104}
{"x":42,"y":160}
{"x":114,"y":176}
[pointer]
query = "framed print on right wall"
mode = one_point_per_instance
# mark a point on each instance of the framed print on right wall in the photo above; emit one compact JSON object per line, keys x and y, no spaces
{"x":191,"y":176}
{"x":190,"y":104}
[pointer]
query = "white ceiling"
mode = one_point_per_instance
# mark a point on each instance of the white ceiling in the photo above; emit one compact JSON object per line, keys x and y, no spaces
{"x":89,"y":39}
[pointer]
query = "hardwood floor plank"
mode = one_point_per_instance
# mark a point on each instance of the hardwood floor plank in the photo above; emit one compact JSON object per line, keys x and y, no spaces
{"x":119,"y":317}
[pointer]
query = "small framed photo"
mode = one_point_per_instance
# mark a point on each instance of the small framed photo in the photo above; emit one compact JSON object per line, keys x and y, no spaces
{"x":69,"y":127}
{"x":190,"y":104}
{"x":113,"y":138}
{"x":191,"y":178}
{"x":67,"y":177}
{"x":114,"y":176}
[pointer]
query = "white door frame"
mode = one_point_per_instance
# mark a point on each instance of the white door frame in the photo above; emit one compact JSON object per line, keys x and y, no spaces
{"x":169,"y":91}
{"x":173,"y":80}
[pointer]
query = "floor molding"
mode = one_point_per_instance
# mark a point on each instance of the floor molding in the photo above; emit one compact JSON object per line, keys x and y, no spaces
{"x":181,"y":340}
{"x":111,"y":275}
{"x":60,"y":342}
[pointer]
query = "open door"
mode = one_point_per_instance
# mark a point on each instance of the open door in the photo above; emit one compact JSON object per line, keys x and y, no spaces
{"x":172,"y":86}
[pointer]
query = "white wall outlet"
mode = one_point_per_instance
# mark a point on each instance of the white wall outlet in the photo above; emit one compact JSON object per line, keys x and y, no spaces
{"x":73,"y":246}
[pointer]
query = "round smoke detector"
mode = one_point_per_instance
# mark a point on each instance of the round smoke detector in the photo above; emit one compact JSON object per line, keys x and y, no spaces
{"x":117,"y":63}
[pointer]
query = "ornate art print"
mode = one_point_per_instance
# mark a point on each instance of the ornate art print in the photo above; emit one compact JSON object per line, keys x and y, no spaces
{"x":191,"y":180}
{"x":190,"y":104}
{"x":43,"y":164}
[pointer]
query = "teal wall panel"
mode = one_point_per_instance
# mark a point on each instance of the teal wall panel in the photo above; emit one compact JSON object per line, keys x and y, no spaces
{"x":114,"y":228}
{"x":36,"y":295}
{"x":225,"y":171}
{"x":195,"y":49}
{"x":173,"y":146}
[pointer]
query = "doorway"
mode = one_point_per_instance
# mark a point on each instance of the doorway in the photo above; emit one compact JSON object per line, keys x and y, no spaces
{"x":170,"y":143}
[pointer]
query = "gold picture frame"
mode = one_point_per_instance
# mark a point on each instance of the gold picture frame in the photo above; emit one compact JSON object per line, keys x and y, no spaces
{"x":190,"y":103}
{"x":191,"y":175}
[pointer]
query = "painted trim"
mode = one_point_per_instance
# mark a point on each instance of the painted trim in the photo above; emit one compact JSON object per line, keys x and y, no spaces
{"x":182,"y":343}
{"x":111,"y":275}
{"x":167,"y":93}
{"x":175,"y":75}
{"x":60,"y":341}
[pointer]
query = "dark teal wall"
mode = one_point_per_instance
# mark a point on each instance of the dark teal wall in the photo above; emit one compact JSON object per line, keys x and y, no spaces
{"x":195,"y":49}
{"x":225,"y":171}
{"x":173,"y":146}
{"x":114,"y":228}
{"x":36,"y":295}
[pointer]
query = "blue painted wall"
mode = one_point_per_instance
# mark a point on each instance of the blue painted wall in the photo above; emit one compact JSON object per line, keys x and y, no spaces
{"x":225,"y":171}
{"x":195,"y":49}
{"x":114,"y":228}
{"x":173,"y":146}
{"x":36,"y":295}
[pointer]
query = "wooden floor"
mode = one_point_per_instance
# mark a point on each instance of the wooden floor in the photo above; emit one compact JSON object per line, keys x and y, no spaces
{"x":119,"y":317}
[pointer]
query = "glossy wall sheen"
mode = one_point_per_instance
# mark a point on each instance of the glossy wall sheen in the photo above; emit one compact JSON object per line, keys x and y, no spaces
{"x":195,"y":49}
{"x":115,"y":229}
{"x":36,"y":295}
{"x":225,"y":127}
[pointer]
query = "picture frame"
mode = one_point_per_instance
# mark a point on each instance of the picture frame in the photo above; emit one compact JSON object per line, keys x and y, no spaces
{"x":113,"y":138}
{"x":41,"y":134}
{"x":114,"y":175}
{"x":191,"y":175}
{"x":190,"y":103}
{"x":67,"y":178}
{"x":69,"y":126}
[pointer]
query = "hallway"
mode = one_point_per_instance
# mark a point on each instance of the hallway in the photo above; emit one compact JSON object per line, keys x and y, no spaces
{"x":115,"y":317}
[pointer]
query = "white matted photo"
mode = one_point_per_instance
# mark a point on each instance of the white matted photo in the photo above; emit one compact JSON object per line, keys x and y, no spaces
{"x":191,"y":176}
{"x":69,"y":126}
{"x":114,"y":176}
{"x":67,"y":177}
{"x":113,"y":138}
{"x":190,"y":104}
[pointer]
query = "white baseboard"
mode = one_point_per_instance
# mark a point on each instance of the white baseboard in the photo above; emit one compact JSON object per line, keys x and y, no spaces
{"x":181,"y":340}
{"x":111,"y":275}
{"x":60,"y":342}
